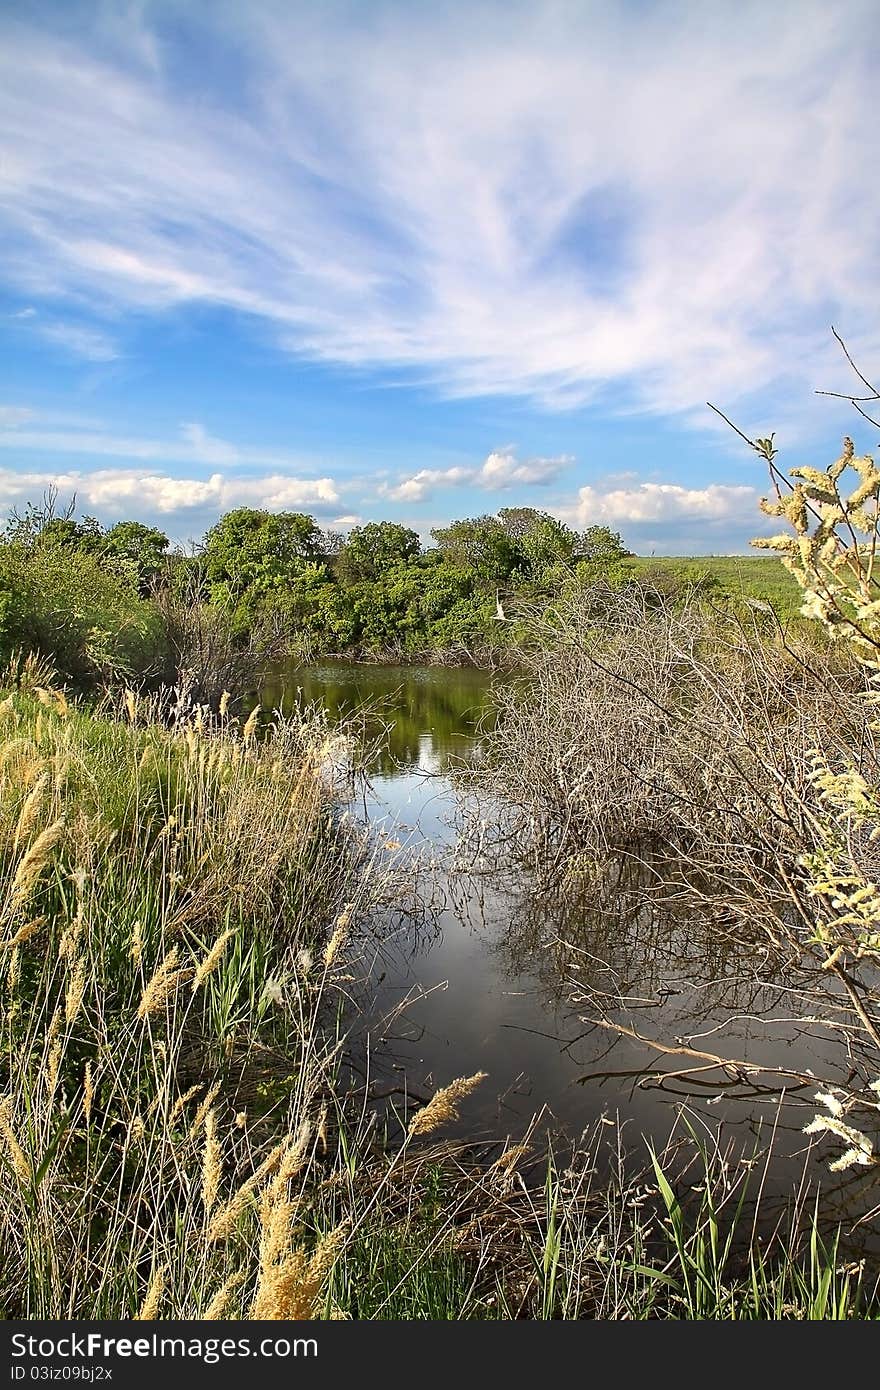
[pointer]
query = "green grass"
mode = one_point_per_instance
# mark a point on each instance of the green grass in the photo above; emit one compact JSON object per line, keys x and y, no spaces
{"x":732,"y":576}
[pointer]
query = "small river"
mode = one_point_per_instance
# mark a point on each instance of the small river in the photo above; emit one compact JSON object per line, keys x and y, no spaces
{"x":488,"y":975}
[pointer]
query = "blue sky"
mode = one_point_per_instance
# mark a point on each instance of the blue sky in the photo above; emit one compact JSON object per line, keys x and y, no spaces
{"x":387,"y":259}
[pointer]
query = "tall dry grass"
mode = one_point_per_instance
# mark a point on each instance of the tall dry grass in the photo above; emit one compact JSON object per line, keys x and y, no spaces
{"x":169,"y":1029}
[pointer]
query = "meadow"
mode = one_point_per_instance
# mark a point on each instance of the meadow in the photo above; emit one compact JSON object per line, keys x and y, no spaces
{"x":736,"y":577}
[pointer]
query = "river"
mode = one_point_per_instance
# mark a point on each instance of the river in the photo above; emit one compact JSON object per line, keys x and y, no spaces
{"x":490,"y":975}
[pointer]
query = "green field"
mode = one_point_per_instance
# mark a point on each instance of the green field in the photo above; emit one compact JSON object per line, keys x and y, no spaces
{"x":739,"y":576}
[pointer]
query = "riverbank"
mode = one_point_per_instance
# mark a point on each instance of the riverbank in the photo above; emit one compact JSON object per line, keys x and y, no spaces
{"x":180,"y":904}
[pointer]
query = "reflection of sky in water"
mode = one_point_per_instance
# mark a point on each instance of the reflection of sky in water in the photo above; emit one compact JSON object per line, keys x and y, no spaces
{"x":496,"y":986}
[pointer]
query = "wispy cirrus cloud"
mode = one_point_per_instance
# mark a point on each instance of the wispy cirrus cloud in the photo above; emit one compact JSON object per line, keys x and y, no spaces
{"x":78,"y":339}
{"x":500,"y":471}
{"x":561,"y":201}
{"x":11,"y":416}
{"x":24,"y":430}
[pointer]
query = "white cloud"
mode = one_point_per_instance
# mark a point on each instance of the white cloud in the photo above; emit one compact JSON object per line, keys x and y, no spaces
{"x":81,"y":341}
{"x":206,"y":447}
{"x":132,"y":492}
{"x":669,"y":518}
{"x":667,"y":201}
{"x":420,"y":485}
{"x":194,"y":445}
{"x":500,"y":470}
{"x":662,"y":502}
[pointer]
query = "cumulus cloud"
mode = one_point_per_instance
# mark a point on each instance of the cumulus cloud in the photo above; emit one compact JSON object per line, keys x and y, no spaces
{"x":420,"y":485}
{"x":669,"y":518}
{"x":651,"y":502}
{"x":676,"y":222}
{"x":133,"y":492}
{"x":500,"y":470}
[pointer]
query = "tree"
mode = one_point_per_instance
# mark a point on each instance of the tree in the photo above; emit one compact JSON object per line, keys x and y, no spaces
{"x":544,"y":539}
{"x":142,"y":547}
{"x":373,"y":549}
{"x":598,"y":543}
{"x":251,"y":555}
{"x":483,"y":546}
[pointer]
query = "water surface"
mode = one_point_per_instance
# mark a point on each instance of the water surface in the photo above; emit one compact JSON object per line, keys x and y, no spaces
{"x":494,"y":976}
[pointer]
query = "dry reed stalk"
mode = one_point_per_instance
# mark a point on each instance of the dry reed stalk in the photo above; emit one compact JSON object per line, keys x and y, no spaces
{"x":180,"y":1104}
{"x":20,"y":1165}
{"x":30,"y":810}
{"x":277,"y":1215}
{"x":509,"y":1159}
{"x":216,"y":1309}
{"x":23,"y":934}
{"x":207,"y":966}
{"x":131,"y":705}
{"x":136,"y":948}
{"x":76,"y":986}
{"x":34,"y":862}
{"x":212,"y":1165}
{"x":12,"y":971}
{"x":202,"y":1112}
{"x":15,"y":748}
{"x":289,"y":1290}
{"x":163,"y":982}
{"x":225,"y":1219}
{"x":291,"y":1161}
{"x":442,"y":1108}
{"x":53,"y":1064}
{"x":53,"y":699}
{"x":250,"y":726}
{"x":340,"y":932}
{"x":70,"y":939}
{"x":153,"y":1297}
{"x":88,"y":1092}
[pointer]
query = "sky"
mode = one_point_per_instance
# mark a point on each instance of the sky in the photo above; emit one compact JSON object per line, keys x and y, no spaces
{"x":383,"y":259}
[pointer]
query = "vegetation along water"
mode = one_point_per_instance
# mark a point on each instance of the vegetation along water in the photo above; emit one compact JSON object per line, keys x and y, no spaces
{"x":534,"y":975}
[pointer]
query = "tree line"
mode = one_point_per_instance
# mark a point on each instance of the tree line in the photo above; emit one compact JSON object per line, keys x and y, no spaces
{"x":93,"y":599}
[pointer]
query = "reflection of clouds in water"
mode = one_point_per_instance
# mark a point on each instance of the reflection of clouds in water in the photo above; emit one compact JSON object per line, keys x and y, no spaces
{"x":507,"y":975}
{"x":428,"y":759}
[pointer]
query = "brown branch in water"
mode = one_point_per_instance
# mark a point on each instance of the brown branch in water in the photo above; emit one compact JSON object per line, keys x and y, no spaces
{"x":727,"y":1064}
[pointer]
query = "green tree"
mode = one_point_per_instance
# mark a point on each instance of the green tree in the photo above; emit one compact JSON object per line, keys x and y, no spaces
{"x":144,"y":548}
{"x":64,"y":603}
{"x":544,"y":540}
{"x":600,"y":543}
{"x":482,"y":546}
{"x":251,"y":556}
{"x":373,"y":549}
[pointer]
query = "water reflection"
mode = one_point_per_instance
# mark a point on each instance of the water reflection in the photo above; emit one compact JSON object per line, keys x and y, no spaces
{"x":426,"y":716}
{"x":493,"y":975}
